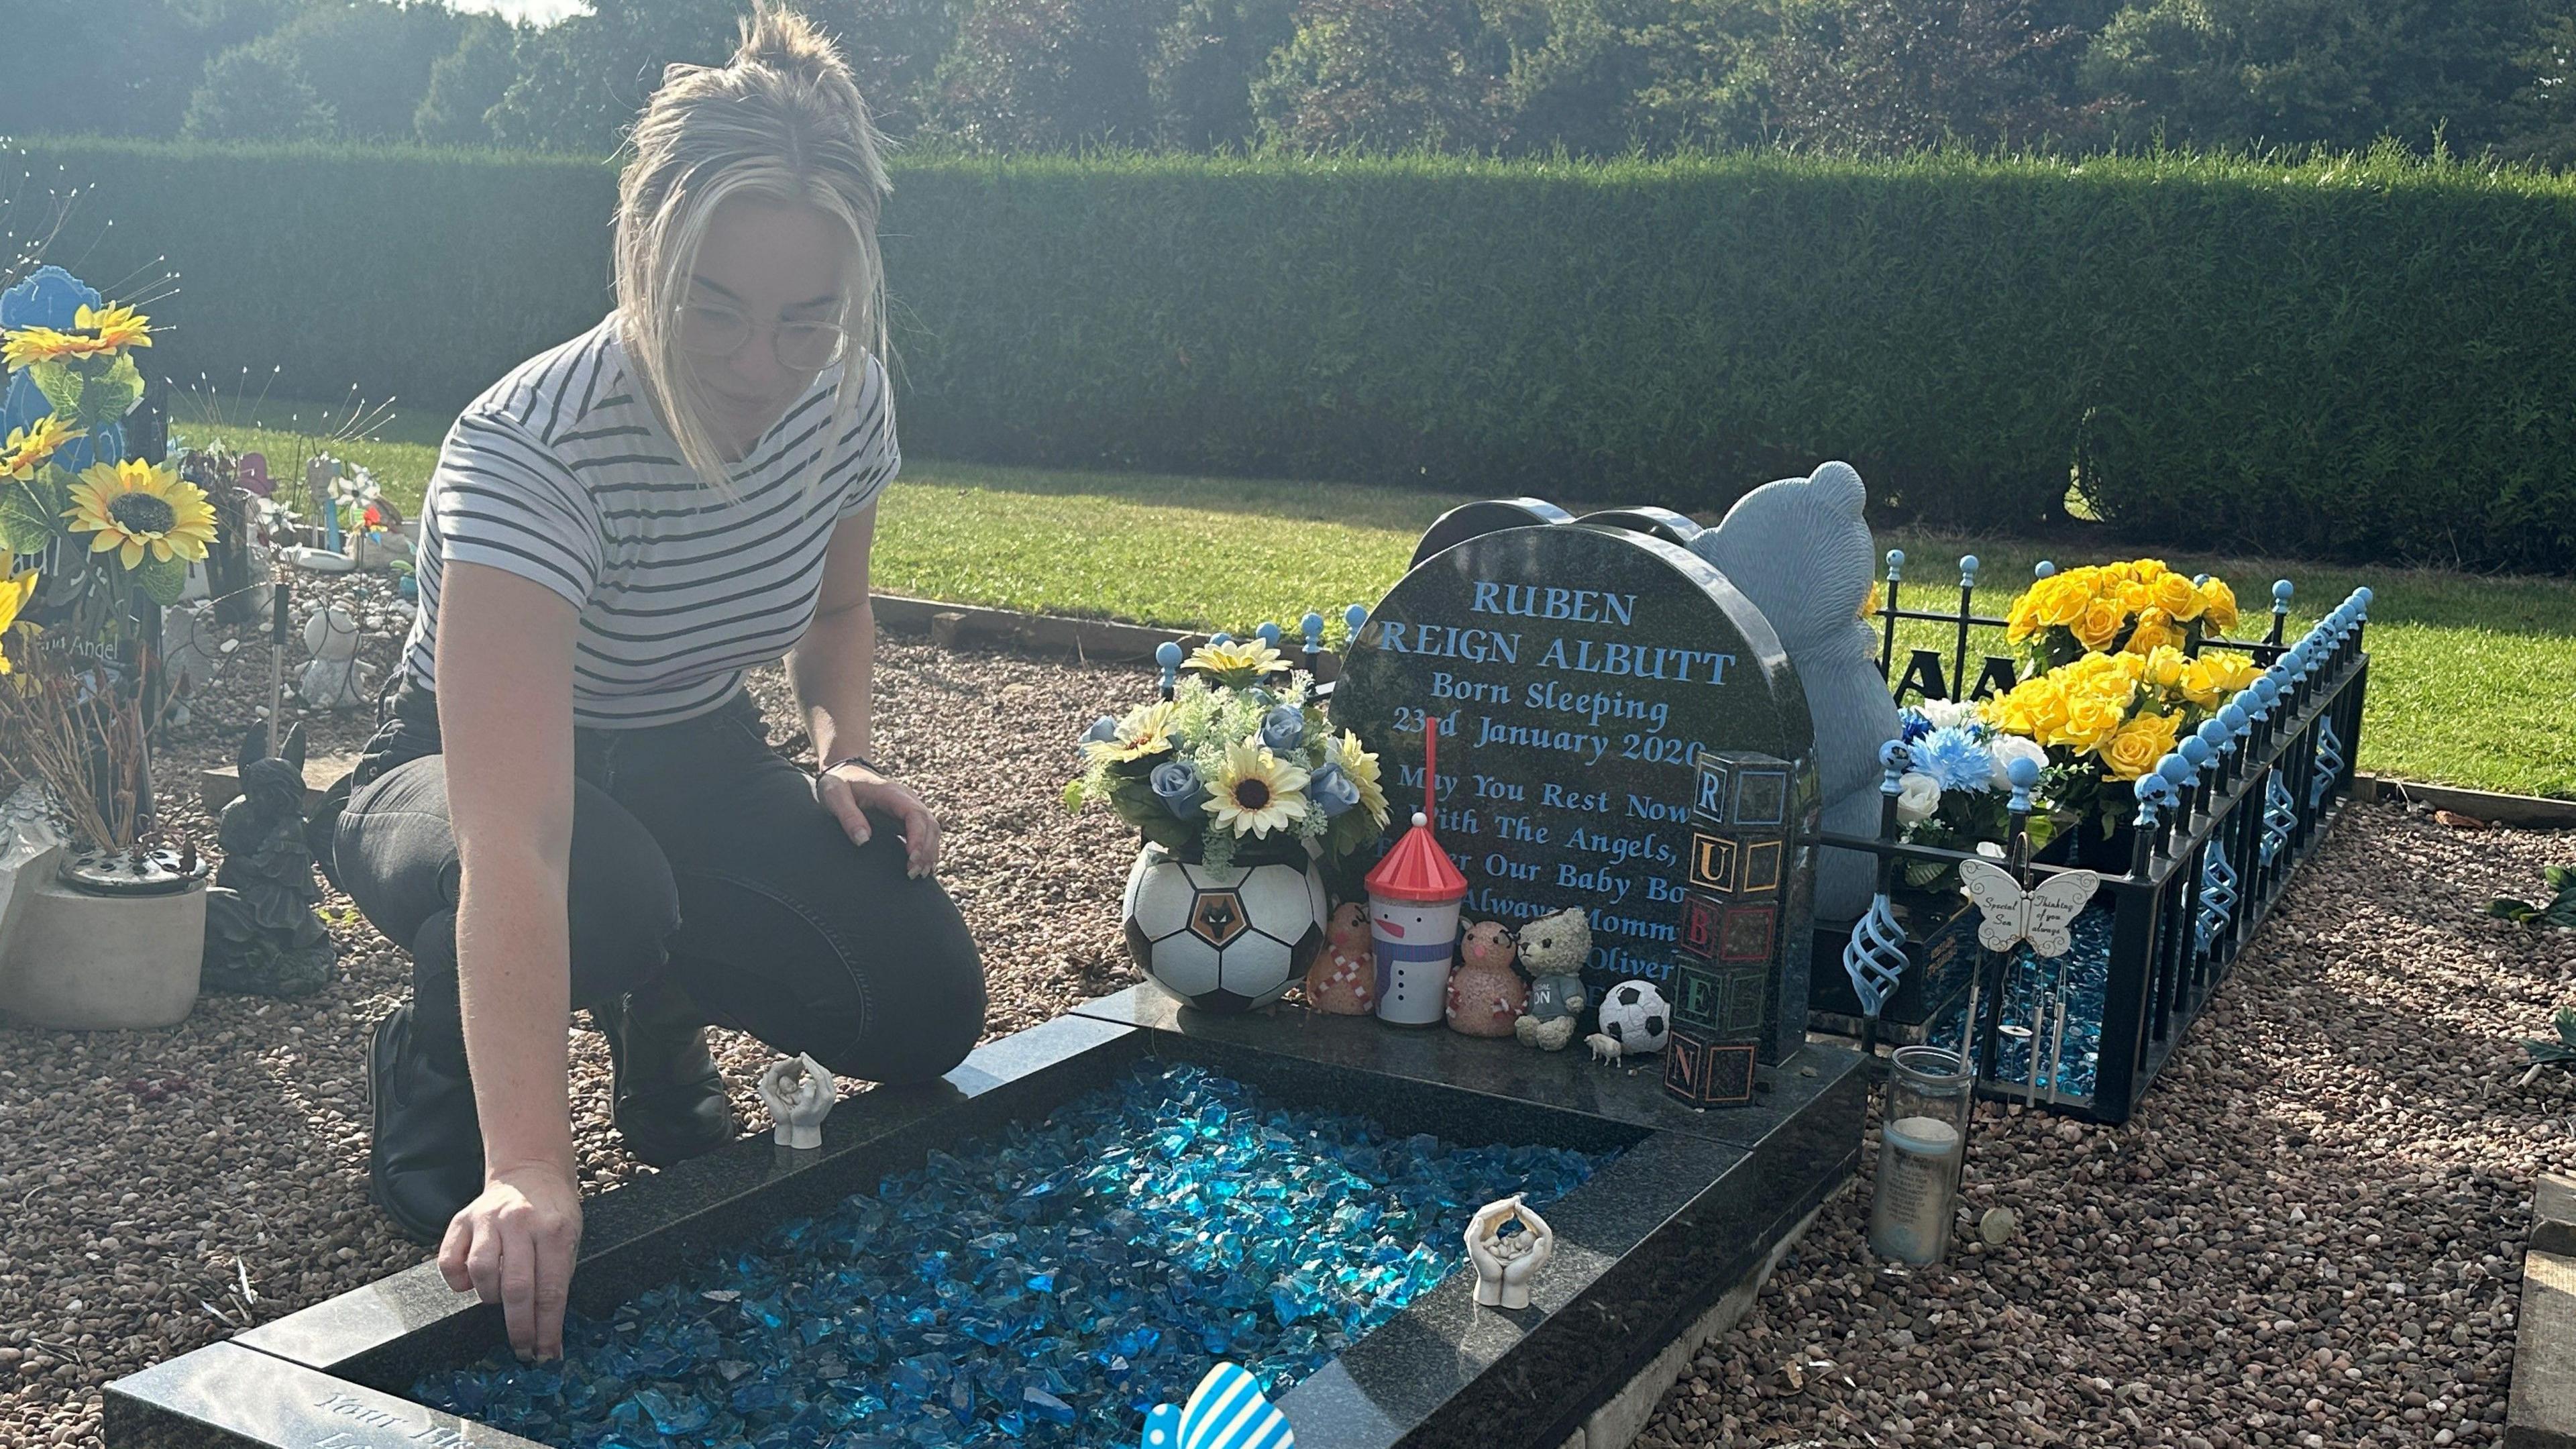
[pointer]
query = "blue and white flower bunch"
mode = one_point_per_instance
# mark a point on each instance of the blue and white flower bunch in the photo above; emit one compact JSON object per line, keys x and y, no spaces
{"x":1956,"y":793}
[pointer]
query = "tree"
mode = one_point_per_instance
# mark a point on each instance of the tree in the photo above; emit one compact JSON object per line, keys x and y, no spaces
{"x":368,"y":60}
{"x":583,"y":80}
{"x":251,"y":93}
{"x":118,"y":67}
{"x":467,"y":83}
{"x":1045,"y":75}
{"x":1385,"y":75}
{"x":1889,"y":76}
{"x":2339,"y":73}
{"x":1601,"y":76}
{"x":1205,"y":61}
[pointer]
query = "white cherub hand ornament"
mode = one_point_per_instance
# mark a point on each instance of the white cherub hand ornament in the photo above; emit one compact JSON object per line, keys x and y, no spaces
{"x":801,"y":1107}
{"x":1504,"y":1266}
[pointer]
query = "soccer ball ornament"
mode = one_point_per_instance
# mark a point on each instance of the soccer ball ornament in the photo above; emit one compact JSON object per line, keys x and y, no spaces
{"x":1633,"y":1014}
{"x":1223,"y":940}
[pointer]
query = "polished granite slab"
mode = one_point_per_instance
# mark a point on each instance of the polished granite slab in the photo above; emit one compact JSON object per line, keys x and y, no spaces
{"x":1693,"y":1202}
{"x":1495,"y":1067}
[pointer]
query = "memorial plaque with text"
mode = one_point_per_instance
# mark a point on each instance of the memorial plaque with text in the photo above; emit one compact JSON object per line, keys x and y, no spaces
{"x":1577,"y":673}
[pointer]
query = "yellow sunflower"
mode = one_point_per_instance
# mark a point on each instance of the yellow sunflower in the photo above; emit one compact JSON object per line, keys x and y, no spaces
{"x":1237,"y":664}
{"x":136,"y":508}
{"x":1257,"y":792}
{"x":96,"y":332}
{"x":15,"y":589}
{"x":1362,"y":768}
{"x":29,"y":448}
{"x":1147,"y":730}
{"x":117,"y":327}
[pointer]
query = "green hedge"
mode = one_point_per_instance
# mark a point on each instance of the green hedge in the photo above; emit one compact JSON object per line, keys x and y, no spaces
{"x":2365,"y":358}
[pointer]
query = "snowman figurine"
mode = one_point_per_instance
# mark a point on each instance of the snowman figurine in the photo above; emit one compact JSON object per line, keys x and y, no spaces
{"x":1414,"y":895}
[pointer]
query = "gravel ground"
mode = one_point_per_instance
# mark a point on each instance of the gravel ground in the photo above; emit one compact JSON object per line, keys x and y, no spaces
{"x":2310,"y":1235}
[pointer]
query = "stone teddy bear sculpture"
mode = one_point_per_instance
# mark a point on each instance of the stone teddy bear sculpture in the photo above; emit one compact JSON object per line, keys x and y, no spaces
{"x":1801,"y":550}
{"x":334,"y":679}
{"x":1553,"y":950}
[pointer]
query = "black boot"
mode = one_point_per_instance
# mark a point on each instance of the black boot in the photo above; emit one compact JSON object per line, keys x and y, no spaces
{"x":665,"y":1094}
{"x":425,"y":1162}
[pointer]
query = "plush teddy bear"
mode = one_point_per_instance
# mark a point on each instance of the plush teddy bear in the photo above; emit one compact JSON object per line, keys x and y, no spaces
{"x":1553,"y":950}
{"x":1485,"y":993}
{"x":1343,"y":979}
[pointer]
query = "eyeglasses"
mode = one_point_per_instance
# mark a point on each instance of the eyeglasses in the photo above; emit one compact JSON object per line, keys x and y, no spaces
{"x":719,"y":332}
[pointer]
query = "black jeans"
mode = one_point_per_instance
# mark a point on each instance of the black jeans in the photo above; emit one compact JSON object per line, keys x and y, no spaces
{"x":698,"y":850}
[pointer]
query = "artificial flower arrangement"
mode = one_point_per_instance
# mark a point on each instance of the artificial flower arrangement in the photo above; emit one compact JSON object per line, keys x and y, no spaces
{"x":2135,"y":607}
{"x":120,"y":534}
{"x":1955,"y":793}
{"x":2107,"y":718}
{"x":1238,"y":756}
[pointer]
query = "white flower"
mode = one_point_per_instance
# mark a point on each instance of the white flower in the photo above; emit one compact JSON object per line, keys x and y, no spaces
{"x":1949,"y":714}
{"x":2008,"y":748}
{"x":1917,"y":796}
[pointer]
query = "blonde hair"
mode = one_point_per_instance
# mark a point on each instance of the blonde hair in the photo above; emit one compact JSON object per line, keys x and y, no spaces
{"x":783,"y":122}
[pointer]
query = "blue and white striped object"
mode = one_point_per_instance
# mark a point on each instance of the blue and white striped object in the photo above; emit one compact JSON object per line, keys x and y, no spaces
{"x":1226,"y":1411}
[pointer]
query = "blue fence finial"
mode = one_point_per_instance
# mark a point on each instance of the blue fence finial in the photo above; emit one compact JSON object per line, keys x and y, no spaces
{"x":2043,"y":570}
{"x":1312,"y":626}
{"x":1968,"y":571}
{"x":1895,"y":565}
{"x":2175,"y":770}
{"x":1355,"y":616}
{"x":1892,"y":759}
{"x":2216,"y":733}
{"x":1270,"y":633}
{"x":2238,"y":715}
{"x":2153,"y":795}
{"x":1168,"y":655}
{"x":2281,"y":592}
{"x":2023,"y":771}
{"x":2363,"y":596}
{"x":2199,"y":748}
{"x":1220,"y":637}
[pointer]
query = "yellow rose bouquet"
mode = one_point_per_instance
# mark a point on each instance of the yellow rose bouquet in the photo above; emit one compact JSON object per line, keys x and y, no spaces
{"x":2136,"y":607}
{"x":2112,"y":717}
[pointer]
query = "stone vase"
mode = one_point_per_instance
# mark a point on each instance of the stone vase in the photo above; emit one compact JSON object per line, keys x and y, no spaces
{"x":77,"y":961}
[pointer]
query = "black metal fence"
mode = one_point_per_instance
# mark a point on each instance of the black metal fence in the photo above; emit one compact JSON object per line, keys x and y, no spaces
{"x":2212,"y":839}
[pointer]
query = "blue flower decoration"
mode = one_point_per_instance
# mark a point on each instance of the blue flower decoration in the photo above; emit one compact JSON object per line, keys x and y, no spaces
{"x":50,"y":297}
{"x":1955,"y":759}
{"x":1332,"y":791}
{"x":1284,"y":728}
{"x":1176,"y":784}
{"x":1103,"y":728}
{"x":1912,"y":725}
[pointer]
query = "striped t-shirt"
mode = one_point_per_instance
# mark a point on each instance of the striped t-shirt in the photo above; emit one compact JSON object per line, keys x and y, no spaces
{"x":563,"y":474}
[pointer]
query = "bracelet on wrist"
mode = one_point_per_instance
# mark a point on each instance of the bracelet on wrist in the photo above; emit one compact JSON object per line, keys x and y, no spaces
{"x":860,"y":760}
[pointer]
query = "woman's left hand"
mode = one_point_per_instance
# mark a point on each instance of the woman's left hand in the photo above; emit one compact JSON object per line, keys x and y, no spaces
{"x":852,"y":790}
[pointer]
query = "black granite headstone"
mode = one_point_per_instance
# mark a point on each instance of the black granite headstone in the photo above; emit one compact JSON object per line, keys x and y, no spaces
{"x":1577,"y":672}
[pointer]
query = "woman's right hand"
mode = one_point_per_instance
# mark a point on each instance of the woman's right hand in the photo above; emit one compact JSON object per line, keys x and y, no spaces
{"x":514,"y":1246}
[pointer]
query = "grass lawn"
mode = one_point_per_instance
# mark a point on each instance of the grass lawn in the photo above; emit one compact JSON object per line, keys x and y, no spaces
{"x":2473,"y":678}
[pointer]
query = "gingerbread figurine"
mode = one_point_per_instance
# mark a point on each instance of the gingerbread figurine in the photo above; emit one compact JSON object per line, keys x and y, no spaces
{"x":1343,"y":979}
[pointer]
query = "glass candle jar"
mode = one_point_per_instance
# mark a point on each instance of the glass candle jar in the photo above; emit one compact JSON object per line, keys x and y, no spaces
{"x":1923,"y":1142}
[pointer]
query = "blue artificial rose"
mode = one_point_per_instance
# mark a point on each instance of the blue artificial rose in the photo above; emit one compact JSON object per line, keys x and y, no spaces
{"x":1284,"y":728}
{"x":1176,"y":784}
{"x":1103,"y":728}
{"x":1332,"y":790}
{"x":50,"y":297}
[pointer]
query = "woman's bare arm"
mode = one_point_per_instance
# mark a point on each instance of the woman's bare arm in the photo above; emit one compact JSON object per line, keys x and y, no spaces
{"x":504,"y":669}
